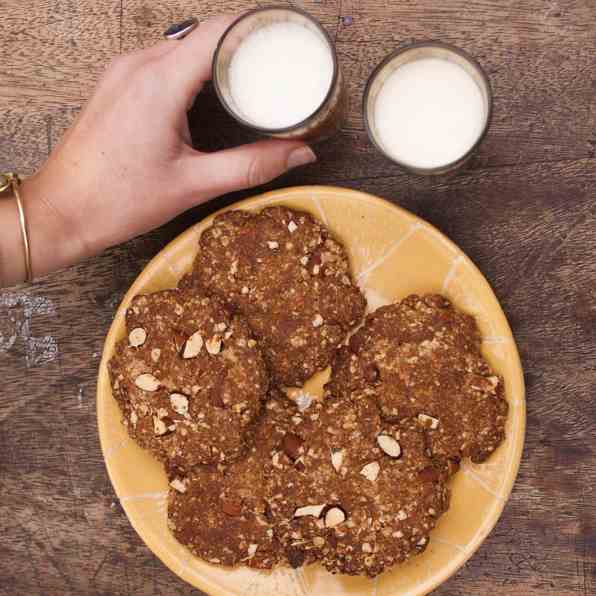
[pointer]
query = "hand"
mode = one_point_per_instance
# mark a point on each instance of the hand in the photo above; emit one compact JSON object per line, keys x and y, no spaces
{"x":127,"y":164}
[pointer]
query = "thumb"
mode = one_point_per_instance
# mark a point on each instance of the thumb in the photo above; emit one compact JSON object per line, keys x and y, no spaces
{"x":214,"y":174}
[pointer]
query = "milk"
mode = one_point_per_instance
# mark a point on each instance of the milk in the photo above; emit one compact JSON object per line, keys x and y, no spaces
{"x":429,"y":113}
{"x":280,"y":74}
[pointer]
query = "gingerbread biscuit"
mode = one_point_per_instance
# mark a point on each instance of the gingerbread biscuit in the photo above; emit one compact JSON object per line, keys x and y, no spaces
{"x":365,"y":496}
{"x":188,"y":377}
{"x":220,"y":512}
{"x":290,"y":278}
{"x":420,"y":359}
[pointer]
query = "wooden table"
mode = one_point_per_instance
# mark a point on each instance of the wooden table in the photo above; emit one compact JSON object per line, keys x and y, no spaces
{"x":524,"y":211}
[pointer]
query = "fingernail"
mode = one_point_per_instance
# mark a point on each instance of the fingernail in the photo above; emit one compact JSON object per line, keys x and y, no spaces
{"x":300,"y":157}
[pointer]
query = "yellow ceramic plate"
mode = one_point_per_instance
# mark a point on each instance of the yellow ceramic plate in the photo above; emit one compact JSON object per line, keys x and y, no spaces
{"x":393,"y":253}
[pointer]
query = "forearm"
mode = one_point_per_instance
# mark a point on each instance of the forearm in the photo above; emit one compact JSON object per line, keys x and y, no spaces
{"x":52,"y":244}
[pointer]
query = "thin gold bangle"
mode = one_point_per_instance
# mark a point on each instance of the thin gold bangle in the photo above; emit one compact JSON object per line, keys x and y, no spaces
{"x":12,"y":180}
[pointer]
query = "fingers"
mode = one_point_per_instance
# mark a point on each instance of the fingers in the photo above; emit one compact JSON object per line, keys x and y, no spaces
{"x":188,"y":67}
{"x":210,"y":175}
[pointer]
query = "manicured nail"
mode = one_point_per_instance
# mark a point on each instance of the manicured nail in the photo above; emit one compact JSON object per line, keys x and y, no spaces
{"x":300,"y":157}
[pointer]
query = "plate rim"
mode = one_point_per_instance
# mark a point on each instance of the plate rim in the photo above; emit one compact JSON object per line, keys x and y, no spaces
{"x":260,"y":201}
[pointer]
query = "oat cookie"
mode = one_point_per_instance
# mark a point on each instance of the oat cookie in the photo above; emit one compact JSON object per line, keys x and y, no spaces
{"x":420,"y":359}
{"x":365,"y":496}
{"x":290,"y":278}
{"x":220,"y":512}
{"x":188,"y":377}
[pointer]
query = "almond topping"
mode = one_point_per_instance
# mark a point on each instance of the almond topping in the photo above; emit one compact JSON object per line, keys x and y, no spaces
{"x":272,"y":244}
{"x":159,"y":426}
{"x":314,"y":510}
{"x":193,"y":346}
{"x":213,"y":345}
{"x":137,"y":337}
{"x":371,"y":471}
{"x":389,"y":445}
{"x":337,"y":459}
{"x":317,"y":321}
{"x":428,"y":421}
{"x":292,"y":227}
{"x":179,"y":403}
{"x":252,"y":549}
{"x":147,"y":382}
{"x":178,"y":485}
{"x":334,"y":517}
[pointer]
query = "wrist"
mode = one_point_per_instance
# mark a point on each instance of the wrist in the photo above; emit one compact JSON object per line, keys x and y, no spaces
{"x":53,"y":236}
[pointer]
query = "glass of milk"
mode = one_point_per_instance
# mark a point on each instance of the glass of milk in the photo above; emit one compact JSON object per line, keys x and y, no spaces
{"x":427,"y":107}
{"x":276,"y":71}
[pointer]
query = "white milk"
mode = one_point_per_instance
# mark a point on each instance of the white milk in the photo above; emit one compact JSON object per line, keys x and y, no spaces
{"x":429,"y":113}
{"x":280,"y":74}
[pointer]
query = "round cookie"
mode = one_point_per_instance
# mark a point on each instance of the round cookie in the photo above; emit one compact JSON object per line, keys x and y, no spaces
{"x":420,"y":358}
{"x":365,"y":496}
{"x":188,"y":377}
{"x":220,"y":512}
{"x":290,"y":278}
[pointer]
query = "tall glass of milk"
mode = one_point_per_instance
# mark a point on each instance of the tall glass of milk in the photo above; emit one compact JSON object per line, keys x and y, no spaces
{"x":276,"y":71}
{"x":427,"y":107}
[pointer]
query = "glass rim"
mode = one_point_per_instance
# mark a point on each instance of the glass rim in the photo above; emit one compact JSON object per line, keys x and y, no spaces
{"x":413,"y":46}
{"x":304,"y":122}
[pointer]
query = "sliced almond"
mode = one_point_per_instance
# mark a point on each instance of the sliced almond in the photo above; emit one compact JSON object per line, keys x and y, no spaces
{"x":252,"y":549}
{"x":304,"y":260}
{"x":317,"y":320}
{"x":428,"y":421}
{"x":193,"y":346}
{"x":314,"y":510}
{"x":213,"y":345}
{"x":178,"y":485}
{"x":371,"y":471}
{"x":334,"y":517}
{"x":137,"y":337}
{"x":147,"y":382}
{"x":179,"y":403}
{"x":159,"y":426}
{"x":337,"y":459}
{"x":272,"y":244}
{"x":389,"y":445}
{"x":292,"y":227}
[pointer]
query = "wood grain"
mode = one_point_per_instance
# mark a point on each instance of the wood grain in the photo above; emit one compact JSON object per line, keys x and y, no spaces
{"x":524,"y":211}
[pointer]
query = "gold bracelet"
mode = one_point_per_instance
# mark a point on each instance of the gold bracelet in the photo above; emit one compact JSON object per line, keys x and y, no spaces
{"x":7,"y":181}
